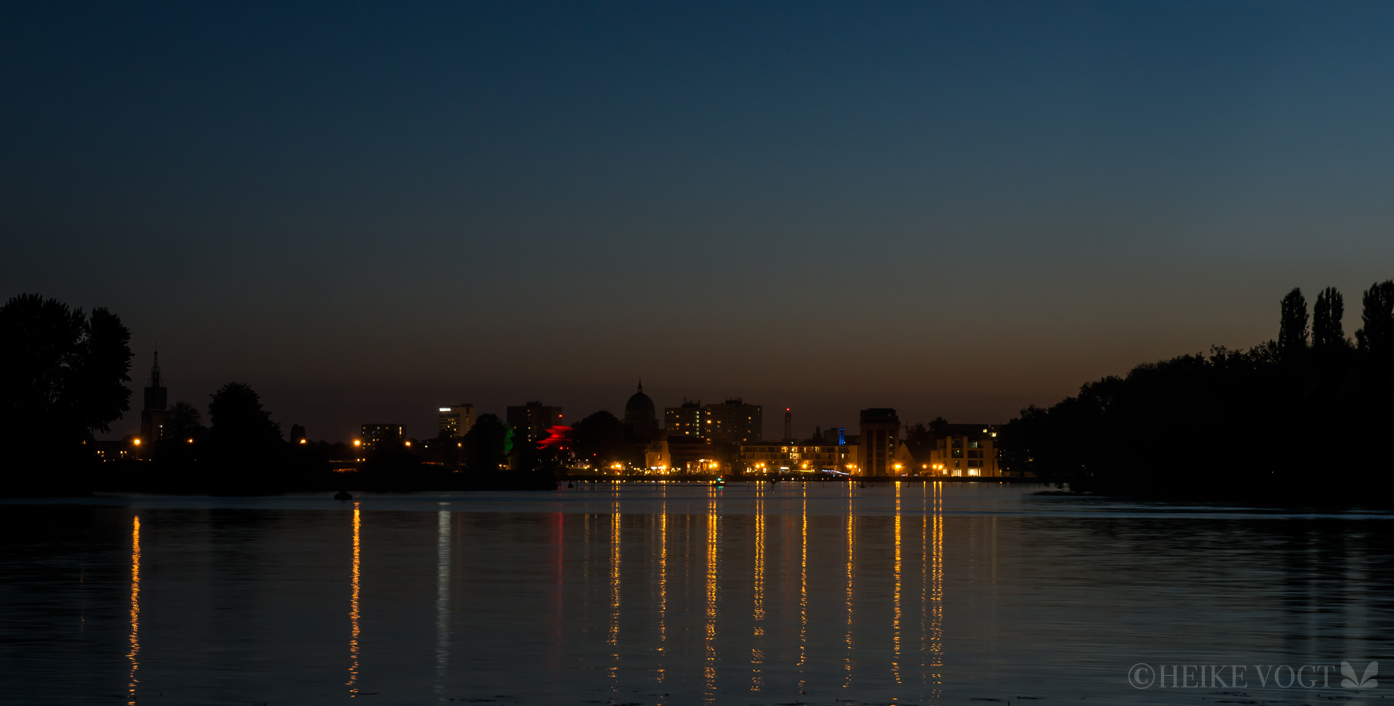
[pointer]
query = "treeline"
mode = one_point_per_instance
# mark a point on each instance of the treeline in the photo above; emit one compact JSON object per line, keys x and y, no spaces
{"x":1304,"y":417}
{"x":243,"y":452}
{"x":62,"y":381}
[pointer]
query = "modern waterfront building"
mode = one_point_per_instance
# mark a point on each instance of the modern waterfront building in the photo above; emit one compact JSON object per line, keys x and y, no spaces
{"x":800,"y":457}
{"x":681,"y":455}
{"x":964,"y":450}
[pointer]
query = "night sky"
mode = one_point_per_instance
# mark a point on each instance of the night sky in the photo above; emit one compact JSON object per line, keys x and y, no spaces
{"x":366,"y":211}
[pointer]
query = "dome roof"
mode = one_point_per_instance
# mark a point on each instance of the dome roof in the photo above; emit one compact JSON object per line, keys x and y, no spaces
{"x":639,"y":409}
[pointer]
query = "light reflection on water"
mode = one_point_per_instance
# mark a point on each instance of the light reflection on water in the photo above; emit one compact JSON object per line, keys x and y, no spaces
{"x":353,"y":607}
{"x":675,"y":594}
{"x":134,"y":654}
{"x":442,"y":600}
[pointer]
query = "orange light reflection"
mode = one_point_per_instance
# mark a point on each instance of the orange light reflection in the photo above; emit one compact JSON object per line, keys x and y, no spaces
{"x":353,"y":609}
{"x":134,"y":654}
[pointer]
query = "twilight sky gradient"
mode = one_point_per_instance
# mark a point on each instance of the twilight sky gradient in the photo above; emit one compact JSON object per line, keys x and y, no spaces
{"x":365,"y":211}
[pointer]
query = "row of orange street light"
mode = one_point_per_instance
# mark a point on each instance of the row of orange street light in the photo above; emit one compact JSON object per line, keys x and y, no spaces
{"x":136,"y":441}
{"x":708,"y":465}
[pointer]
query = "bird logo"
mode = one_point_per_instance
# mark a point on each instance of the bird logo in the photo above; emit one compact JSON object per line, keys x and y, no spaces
{"x":1366,"y":681}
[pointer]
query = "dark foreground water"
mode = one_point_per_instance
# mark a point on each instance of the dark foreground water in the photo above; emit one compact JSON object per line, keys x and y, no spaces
{"x":684,"y":594}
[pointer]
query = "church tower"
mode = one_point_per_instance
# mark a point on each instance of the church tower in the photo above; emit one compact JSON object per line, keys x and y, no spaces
{"x":152,"y":416}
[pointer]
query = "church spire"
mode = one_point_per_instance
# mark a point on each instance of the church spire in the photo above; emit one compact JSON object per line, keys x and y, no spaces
{"x":155,"y":402}
{"x":155,"y":372}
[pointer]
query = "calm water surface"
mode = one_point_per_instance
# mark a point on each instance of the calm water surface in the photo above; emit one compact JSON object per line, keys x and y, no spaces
{"x":684,"y":594}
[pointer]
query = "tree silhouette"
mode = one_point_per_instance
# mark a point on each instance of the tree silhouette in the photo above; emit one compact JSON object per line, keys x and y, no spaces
{"x":1250,"y":425}
{"x":938,"y":426}
{"x":183,"y":422}
{"x":245,"y":452}
{"x":239,"y":420}
{"x":484,"y":444}
{"x":62,"y":376}
{"x":597,"y":438}
{"x":1327,"y":331}
{"x":1292,"y":331}
{"x":918,"y":434}
{"x":1376,"y":333}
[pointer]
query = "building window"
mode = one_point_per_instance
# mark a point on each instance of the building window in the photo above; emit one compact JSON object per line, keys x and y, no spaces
{"x":972,"y":444}
{"x":958,"y":453}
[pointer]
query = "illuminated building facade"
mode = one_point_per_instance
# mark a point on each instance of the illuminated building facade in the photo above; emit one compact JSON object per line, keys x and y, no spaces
{"x":732,"y":422}
{"x":113,"y":450}
{"x":532,"y":420}
{"x":805,"y":457}
{"x":965,"y":450}
{"x":375,"y":436}
{"x":455,"y":421}
{"x":684,"y":421}
{"x":880,"y":439}
{"x":681,"y":455}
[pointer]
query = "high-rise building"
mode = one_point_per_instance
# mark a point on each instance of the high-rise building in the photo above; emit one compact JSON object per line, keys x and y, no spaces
{"x":732,"y":422}
{"x":152,"y":415}
{"x":880,"y":435}
{"x":375,"y":436}
{"x":684,"y":421}
{"x":532,"y":420}
{"x":789,"y":425}
{"x":455,"y":421}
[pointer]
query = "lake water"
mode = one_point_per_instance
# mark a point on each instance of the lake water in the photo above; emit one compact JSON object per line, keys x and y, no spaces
{"x":612,"y":593}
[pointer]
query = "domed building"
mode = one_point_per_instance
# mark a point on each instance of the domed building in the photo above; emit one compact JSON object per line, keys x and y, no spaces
{"x":640,"y":418}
